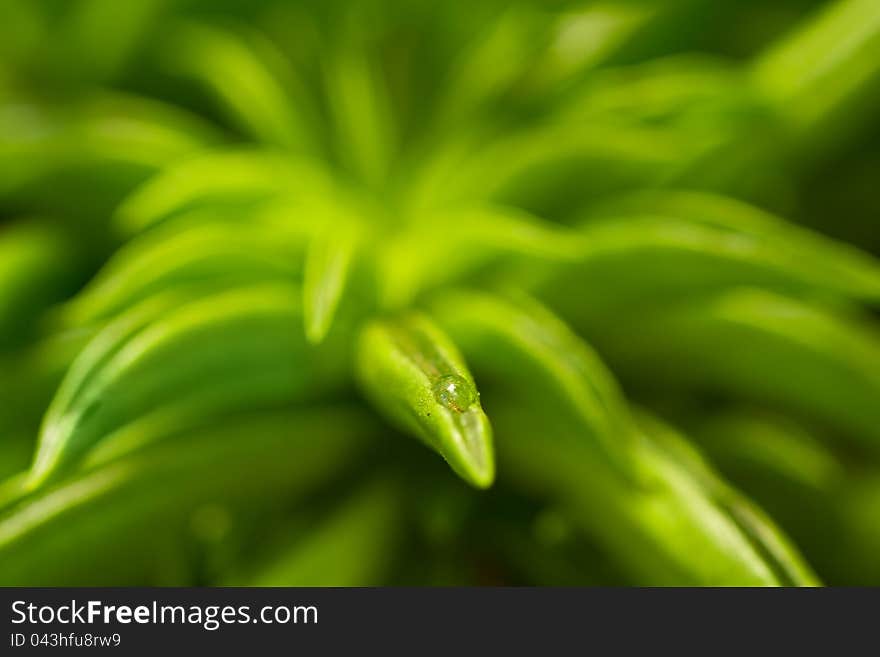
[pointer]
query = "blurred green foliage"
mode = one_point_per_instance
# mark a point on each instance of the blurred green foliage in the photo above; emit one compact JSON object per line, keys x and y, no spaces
{"x":615,"y":261}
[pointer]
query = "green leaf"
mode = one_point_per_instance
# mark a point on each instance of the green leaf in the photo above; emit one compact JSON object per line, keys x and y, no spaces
{"x":555,"y":165}
{"x":360,"y":109}
{"x":754,"y":345}
{"x":651,"y":528}
{"x":822,"y":498}
{"x":653,"y":532}
{"x":777,"y":551}
{"x":771,"y":447}
{"x":116,"y":127}
{"x":354,"y":546}
{"x":244,"y":72}
{"x":217,"y":178}
{"x":328,"y":265}
{"x":204,"y":256}
{"x":28,"y":380}
{"x":143,"y":505}
{"x":788,"y":255}
{"x":100,"y":136}
{"x":585,"y":36}
{"x":490,"y":64}
{"x":825,"y":66}
{"x":660,"y":249}
{"x":232,"y":351}
{"x":449,"y":246}
{"x":526,"y":347}
{"x":415,"y":376}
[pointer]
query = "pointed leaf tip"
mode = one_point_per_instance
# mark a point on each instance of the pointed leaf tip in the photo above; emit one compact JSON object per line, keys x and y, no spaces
{"x":329,"y":260}
{"x":417,"y":378}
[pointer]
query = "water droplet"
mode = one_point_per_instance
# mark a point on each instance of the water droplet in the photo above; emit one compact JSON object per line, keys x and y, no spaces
{"x":455,"y":392}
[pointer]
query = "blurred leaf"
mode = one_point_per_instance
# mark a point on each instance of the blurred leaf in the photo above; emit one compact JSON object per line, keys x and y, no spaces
{"x":217,"y":178}
{"x":235,"y":350}
{"x":328,"y":265}
{"x":755,"y":345}
{"x":141,"y":505}
{"x":353,"y":547}
{"x":270,"y":107}
{"x":651,"y":529}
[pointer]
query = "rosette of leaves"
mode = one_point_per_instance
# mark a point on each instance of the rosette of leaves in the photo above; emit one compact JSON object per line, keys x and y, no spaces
{"x":251,"y":250}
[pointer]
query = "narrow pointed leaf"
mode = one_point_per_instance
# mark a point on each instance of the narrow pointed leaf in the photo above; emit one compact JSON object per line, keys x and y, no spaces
{"x":234,"y":350}
{"x":827,"y":64}
{"x":777,"y":551}
{"x":360,"y":109}
{"x":143,"y":505}
{"x":556,"y":166}
{"x":446,"y":247}
{"x":220,"y":177}
{"x":651,"y":532}
{"x":233,"y":67}
{"x":414,"y":374}
{"x":492,"y":62}
{"x":738,"y":237}
{"x":799,"y":356}
{"x":530,"y":349}
{"x":328,"y":264}
{"x":209,"y":256}
{"x":650,"y":528}
{"x":748,"y":444}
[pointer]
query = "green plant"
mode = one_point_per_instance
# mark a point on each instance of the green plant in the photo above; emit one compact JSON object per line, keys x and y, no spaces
{"x":274,"y":239}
